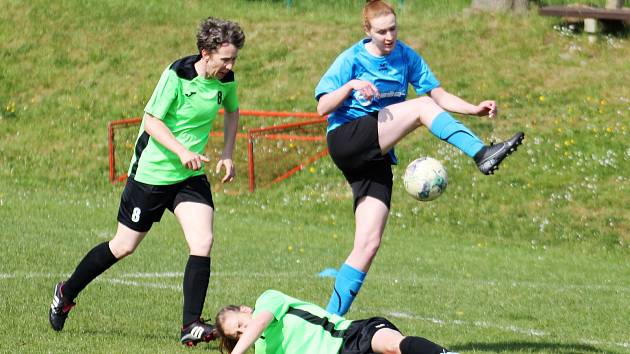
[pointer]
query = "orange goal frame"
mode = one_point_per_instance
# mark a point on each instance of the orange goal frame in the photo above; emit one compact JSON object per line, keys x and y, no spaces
{"x":272,"y":132}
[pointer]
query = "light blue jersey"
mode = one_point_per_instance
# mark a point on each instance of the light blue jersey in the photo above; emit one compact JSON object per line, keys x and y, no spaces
{"x":391,"y":74}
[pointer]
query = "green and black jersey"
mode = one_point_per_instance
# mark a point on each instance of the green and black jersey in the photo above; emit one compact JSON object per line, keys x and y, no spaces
{"x":298,"y":327}
{"x":187,"y":104}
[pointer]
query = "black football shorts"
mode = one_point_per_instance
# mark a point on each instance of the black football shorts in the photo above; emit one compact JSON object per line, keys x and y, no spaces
{"x":143,"y":204}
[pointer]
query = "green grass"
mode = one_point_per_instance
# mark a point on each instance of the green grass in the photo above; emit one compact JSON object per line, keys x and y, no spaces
{"x":532,"y":260}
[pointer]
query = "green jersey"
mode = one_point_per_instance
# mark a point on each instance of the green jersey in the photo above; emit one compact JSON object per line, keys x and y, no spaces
{"x":298,"y":327}
{"x":187,"y":104}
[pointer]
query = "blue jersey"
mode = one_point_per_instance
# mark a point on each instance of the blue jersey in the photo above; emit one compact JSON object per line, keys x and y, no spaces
{"x":391,"y":74}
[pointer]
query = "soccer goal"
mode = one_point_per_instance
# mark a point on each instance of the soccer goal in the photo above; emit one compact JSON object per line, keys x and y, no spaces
{"x":271,"y":146}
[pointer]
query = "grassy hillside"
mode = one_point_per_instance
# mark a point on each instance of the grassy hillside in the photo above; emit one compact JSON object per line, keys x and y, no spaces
{"x":534,"y":259}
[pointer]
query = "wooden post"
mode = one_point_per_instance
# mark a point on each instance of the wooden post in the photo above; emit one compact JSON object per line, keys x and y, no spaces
{"x":614,"y":4}
{"x":590,"y":27}
{"x":250,"y":162}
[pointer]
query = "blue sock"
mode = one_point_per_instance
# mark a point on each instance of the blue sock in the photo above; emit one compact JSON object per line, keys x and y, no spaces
{"x":449,"y":129}
{"x":347,"y":285}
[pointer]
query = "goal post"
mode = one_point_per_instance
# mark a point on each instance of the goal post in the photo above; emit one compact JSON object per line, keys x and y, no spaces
{"x":111,"y":143}
{"x":279,"y":144}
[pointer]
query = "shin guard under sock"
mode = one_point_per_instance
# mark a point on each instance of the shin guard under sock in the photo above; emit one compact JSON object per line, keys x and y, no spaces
{"x":347,"y":285}
{"x":98,"y":260}
{"x":196,"y":279}
{"x":449,"y":129}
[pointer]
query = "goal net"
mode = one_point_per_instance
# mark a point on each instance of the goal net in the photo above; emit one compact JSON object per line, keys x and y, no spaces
{"x":270,"y":147}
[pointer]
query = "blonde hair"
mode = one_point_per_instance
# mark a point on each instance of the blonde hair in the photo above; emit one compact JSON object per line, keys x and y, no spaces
{"x":375,"y":8}
{"x":226,"y":343}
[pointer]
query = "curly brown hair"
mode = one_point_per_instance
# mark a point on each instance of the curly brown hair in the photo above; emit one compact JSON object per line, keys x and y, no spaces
{"x":226,"y":343}
{"x":213,"y":32}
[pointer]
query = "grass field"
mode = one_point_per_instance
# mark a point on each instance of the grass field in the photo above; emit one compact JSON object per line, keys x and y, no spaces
{"x":535,"y":259}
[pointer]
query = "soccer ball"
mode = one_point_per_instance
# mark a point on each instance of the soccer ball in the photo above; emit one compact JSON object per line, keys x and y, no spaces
{"x":425,"y":179}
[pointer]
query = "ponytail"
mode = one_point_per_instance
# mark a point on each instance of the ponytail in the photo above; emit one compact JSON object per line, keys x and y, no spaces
{"x":373,"y":9}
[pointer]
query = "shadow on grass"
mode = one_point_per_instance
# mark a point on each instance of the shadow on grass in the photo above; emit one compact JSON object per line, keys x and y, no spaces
{"x":120,"y":333}
{"x":530,"y":347}
{"x":613,"y":28}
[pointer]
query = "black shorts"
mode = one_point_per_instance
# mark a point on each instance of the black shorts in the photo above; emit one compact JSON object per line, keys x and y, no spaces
{"x":354,"y":148}
{"x":358,"y":337}
{"x":143,"y":204}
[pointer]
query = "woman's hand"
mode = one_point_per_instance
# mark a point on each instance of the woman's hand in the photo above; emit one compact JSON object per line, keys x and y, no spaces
{"x":191,"y":160}
{"x":367,"y":89}
{"x":487,"y":108}
{"x":329,"y":102}
{"x":230,"y":171}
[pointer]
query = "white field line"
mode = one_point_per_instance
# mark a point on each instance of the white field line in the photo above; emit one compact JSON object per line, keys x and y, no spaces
{"x":527,"y":331}
{"x":411,"y":279}
{"x":212,"y":274}
{"x":513,"y":283}
{"x":143,"y":284}
{"x":122,"y":280}
{"x":163,"y":275}
{"x":153,"y":275}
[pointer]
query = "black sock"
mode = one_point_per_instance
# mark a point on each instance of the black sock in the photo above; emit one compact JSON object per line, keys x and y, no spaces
{"x":196,"y":278}
{"x":418,"y":345}
{"x":98,"y":260}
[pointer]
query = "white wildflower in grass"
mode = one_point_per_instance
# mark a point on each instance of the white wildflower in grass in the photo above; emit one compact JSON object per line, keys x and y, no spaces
{"x":543,"y":224}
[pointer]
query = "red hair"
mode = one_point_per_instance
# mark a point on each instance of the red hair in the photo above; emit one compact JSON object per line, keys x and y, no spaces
{"x":375,"y":8}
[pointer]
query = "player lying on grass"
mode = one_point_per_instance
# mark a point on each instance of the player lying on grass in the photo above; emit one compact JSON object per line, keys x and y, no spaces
{"x":282,"y":324}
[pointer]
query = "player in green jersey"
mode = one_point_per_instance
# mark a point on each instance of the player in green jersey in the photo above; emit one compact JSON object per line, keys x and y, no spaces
{"x":281,"y":324}
{"x":166,"y":172}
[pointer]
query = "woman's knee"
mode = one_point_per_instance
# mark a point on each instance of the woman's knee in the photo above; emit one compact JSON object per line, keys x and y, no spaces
{"x":121,"y":250}
{"x":387,"y":341}
{"x":368,"y":247}
{"x":391,"y":349}
{"x":125,"y":241}
{"x":200,"y":245}
{"x":427,"y":109}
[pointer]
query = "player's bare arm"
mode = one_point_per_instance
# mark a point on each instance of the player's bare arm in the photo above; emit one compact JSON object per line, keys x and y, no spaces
{"x":331,"y":101}
{"x":453,"y":103}
{"x":229,"y":138}
{"x":253,"y":331}
{"x":159,"y":131}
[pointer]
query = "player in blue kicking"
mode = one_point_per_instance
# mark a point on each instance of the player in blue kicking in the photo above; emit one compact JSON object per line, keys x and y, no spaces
{"x":364,"y":92}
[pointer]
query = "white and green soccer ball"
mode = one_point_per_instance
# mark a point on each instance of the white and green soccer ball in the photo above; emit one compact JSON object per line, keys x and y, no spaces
{"x":425,"y":179}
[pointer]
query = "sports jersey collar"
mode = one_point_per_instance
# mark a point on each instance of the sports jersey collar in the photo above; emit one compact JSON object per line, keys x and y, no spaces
{"x":185,"y":69}
{"x":367,"y":40}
